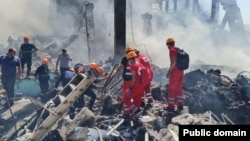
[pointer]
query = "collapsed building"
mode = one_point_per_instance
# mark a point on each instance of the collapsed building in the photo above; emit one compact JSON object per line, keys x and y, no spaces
{"x":210,"y":96}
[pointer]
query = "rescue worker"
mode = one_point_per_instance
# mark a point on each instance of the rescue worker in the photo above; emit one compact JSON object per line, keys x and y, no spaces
{"x":127,"y":77}
{"x":98,"y":71}
{"x":147,"y":64}
{"x":79,"y":103}
{"x":63,"y":58}
{"x":42,"y":75}
{"x":65,"y":77}
{"x":133,"y":97}
{"x":9,"y":64}
{"x":25,"y":54}
{"x":175,"y":76}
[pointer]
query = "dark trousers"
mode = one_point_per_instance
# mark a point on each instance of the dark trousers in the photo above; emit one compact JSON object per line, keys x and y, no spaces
{"x":90,"y":92}
{"x":28,"y":61}
{"x":44,"y":86}
{"x":62,"y":70}
{"x":8,"y":82}
{"x":79,"y":103}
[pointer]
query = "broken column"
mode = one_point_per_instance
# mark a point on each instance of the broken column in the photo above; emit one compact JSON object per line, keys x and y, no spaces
{"x":147,"y":25}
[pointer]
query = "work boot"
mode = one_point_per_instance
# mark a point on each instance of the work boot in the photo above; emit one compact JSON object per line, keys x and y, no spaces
{"x":180,"y":108}
{"x":136,"y":114}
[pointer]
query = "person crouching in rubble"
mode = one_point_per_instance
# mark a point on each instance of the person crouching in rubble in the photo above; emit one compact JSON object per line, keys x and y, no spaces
{"x":133,"y":98}
{"x":147,"y":64}
{"x":42,"y":75}
{"x":94,"y":71}
{"x":65,"y":77}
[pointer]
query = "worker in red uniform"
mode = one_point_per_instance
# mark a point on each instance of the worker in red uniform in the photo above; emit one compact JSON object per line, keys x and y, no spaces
{"x":127,"y":77}
{"x":132,"y":99}
{"x":147,"y":64}
{"x":175,"y":76}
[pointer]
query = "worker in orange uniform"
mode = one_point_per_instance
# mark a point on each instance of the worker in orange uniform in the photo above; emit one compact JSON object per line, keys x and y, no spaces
{"x":175,"y":76}
{"x":43,"y":76}
{"x":133,"y":98}
{"x":127,"y":77}
{"x":147,"y":64}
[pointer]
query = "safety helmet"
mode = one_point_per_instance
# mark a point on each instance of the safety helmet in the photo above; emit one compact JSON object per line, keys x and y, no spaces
{"x":131,"y":54}
{"x":93,"y":66}
{"x":45,"y":61}
{"x":100,"y":70}
{"x":26,"y":37}
{"x":129,"y":48}
{"x":170,"y":40}
{"x":80,"y":69}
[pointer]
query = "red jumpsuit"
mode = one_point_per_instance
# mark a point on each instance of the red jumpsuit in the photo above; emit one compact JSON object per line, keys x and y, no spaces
{"x":175,"y":93}
{"x":133,"y":97}
{"x":146,"y":63}
{"x":127,"y":77}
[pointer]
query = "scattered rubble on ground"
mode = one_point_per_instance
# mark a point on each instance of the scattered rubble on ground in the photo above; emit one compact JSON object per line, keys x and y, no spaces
{"x":210,"y":98}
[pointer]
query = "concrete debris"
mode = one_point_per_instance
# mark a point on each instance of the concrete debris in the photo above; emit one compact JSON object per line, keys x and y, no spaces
{"x":210,"y":99}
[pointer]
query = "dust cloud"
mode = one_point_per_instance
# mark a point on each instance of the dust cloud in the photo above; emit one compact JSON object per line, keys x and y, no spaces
{"x":200,"y":39}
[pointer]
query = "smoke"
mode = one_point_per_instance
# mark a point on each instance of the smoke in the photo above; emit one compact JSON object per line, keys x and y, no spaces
{"x":23,"y":17}
{"x":200,"y":39}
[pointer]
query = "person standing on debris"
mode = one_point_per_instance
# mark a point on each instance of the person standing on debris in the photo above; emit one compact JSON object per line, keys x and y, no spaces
{"x":133,"y":98}
{"x":42,"y":74}
{"x":65,"y":77}
{"x":126,"y":75}
{"x":175,"y":76}
{"x":63,"y":59}
{"x":9,"y":64}
{"x":147,"y":64}
{"x":25,"y":54}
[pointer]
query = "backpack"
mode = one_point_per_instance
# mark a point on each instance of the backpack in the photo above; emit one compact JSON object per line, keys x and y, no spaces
{"x":182,"y":61}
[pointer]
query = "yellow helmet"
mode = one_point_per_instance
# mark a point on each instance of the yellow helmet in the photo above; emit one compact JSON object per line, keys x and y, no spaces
{"x":170,"y":40}
{"x":93,"y":66}
{"x":129,"y":48}
{"x":100,"y":70}
{"x":131,"y":54}
{"x":45,"y":61}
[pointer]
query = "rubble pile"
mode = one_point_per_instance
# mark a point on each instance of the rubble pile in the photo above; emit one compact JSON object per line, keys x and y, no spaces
{"x":210,"y":98}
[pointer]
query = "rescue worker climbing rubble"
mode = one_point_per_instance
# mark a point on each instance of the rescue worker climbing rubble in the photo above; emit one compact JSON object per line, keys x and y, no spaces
{"x":65,"y":77}
{"x":175,"y":76}
{"x":25,"y":54}
{"x":97,"y":72}
{"x":133,"y":97}
{"x":42,"y":75}
{"x":147,"y":64}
